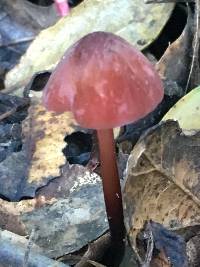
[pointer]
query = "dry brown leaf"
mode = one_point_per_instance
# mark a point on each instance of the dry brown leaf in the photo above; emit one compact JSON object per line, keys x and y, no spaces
{"x":174,"y":65}
{"x":160,"y":261}
{"x":162,"y":181}
{"x":41,"y":157}
{"x":44,"y":134}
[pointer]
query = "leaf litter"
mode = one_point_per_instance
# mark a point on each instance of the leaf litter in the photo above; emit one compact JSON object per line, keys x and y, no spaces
{"x":89,"y":16}
{"x":162,"y":180}
{"x":20,"y":22}
{"x":161,"y":187}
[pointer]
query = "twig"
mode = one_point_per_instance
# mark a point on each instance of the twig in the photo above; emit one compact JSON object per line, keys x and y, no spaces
{"x":195,"y":46}
{"x":20,"y":41}
{"x":150,"y":246}
{"x":7,"y":114}
{"x":29,"y":246}
{"x":149,"y":251}
{"x":15,"y":109}
{"x":138,"y":258}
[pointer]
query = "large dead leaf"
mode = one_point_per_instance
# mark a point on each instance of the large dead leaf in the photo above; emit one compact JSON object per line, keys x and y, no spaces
{"x":65,"y":215}
{"x":41,"y":156}
{"x":75,"y":216}
{"x":137,"y":22}
{"x":187,"y":111}
{"x":162,"y":180}
{"x":17,"y":251}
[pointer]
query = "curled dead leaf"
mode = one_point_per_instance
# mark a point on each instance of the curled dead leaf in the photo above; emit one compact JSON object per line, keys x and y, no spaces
{"x":162,"y":180}
{"x":174,"y":65}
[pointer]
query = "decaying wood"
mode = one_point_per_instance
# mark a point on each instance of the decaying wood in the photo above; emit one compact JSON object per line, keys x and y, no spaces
{"x":13,"y":249}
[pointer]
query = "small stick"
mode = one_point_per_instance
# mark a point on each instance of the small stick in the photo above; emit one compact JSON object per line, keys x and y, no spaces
{"x":150,"y":247}
{"x":21,"y":41}
{"x":28,"y":250}
{"x":13,"y":110}
{"x":7,"y":114}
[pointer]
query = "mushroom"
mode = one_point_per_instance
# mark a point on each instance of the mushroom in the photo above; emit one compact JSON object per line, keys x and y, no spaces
{"x":105,"y":82}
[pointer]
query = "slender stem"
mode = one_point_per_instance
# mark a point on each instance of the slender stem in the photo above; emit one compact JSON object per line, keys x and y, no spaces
{"x":111,"y":183}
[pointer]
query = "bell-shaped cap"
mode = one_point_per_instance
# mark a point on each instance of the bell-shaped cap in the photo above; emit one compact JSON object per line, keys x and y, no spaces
{"x":104,"y":81}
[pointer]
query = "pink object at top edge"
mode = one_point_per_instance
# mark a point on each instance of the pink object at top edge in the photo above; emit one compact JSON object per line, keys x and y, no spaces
{"x":62,"y":7}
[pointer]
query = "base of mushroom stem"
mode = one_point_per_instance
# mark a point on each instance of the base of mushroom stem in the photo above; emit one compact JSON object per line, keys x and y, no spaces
{"x":115,"y":254}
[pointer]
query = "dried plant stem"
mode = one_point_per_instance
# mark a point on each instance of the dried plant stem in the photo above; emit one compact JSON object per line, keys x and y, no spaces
{"x":19,"y":41}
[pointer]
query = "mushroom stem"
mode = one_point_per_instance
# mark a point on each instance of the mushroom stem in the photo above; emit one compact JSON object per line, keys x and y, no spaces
{"x":111,"y":183}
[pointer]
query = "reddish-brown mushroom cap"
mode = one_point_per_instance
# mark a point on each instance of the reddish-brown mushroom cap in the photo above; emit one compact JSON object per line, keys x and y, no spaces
{"x":104,"y":81}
